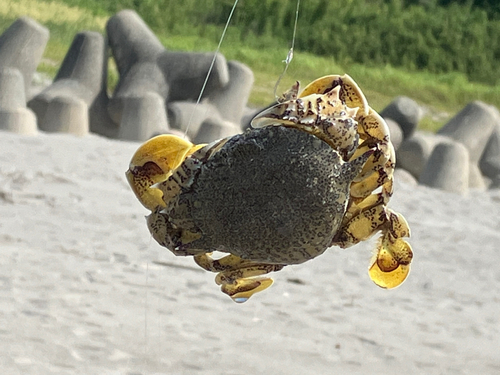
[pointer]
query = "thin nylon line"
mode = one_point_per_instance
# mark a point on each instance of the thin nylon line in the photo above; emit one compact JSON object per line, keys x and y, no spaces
{"x":289,"y":56}
{"x":212,"y":64}
{"x":146,"y":335}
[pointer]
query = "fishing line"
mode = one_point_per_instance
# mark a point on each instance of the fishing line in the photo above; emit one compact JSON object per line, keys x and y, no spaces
{"x":212,"y":64}
{"x":289,"y":56}
{"x":146,"y":306}
{"x":185,"y":136}
{"x":287,"y":62}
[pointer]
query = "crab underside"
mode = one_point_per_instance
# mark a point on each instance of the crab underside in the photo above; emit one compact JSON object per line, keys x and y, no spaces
{"x":317,"y":171}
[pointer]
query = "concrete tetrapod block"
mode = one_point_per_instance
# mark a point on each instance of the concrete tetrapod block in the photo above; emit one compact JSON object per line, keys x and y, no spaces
{"x":472,"y":127}
{"x":447,"y":168}
{"x":395,"y":132}
{"x":12,"y":93}
{"x":19,"y":120}
{"x":406,"y":112}
{"x":141,"y":79}
{"x":83,"y":75}
{"x":211,"y":130}
{"x":100,"y":122}
{"x":490,"y":159}
{"x":476,"y":179}
{"x":248,"y":115}
{"x":186,"y":73}
{"x":86,"y":61}
{"x":405,"y":177}
{"x":39,"y":83}
{"x":414,"y":152}
{"x":22,"y":46}
{"x":495,"y":183}
{"x":232,"y":98}
{"x":131,"y":40}
{"x":67,"y":88}
{"x":143,"y":117}
{"x":189,"y":116}
{"x":135,"y":49}
{"x":67,"y":115}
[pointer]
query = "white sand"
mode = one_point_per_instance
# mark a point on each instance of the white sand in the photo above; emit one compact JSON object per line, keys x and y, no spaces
{"x":80,"y":292}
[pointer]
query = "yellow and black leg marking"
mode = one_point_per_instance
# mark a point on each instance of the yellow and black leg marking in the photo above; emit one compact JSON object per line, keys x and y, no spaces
{"x":238,"y":278}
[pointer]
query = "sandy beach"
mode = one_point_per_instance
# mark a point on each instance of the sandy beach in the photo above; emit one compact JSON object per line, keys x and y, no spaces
{"x":84,"y":289}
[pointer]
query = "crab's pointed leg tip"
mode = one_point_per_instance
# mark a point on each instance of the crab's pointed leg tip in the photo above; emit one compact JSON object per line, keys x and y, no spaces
{"x":257,"y":286}
{"x":267,"y":117}
{"x":391,"y":279}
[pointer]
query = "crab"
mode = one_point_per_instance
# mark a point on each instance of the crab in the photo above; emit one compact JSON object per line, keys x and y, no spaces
{"x":315,"y":171}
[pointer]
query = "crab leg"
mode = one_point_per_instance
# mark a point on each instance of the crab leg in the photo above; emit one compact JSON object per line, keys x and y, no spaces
{"x":391,"y":264}
{"x":152,"y":163}
{"x":237,"y":277}
{"x":367,"y":212}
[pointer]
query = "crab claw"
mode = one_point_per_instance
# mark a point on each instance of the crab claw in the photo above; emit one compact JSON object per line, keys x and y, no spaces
{"x":391,"y":264}
{"x":386,"y":270}
{"x":350,"y":92}
{"x":152,"y":163}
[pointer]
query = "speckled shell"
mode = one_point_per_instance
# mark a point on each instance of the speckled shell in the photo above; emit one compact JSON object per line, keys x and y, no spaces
{"x":274,"y":195}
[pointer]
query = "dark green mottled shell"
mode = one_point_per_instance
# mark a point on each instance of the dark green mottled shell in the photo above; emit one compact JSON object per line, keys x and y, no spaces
{"x":274,"y":195}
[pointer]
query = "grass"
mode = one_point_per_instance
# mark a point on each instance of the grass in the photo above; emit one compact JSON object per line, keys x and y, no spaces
{"x":442,"y":95}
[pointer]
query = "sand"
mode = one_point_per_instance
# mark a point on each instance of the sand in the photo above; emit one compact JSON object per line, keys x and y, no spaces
{"x":85,"y":290}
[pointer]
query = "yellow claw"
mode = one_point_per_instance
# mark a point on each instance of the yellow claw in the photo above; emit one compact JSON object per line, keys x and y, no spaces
{"x":350,"y":94}
{"x":391,"y":265}
{"x":152,"y":163}
{"x":388,"y":280}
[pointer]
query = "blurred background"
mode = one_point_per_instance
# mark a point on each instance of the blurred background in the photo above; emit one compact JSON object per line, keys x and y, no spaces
{"x":441,"y":53}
